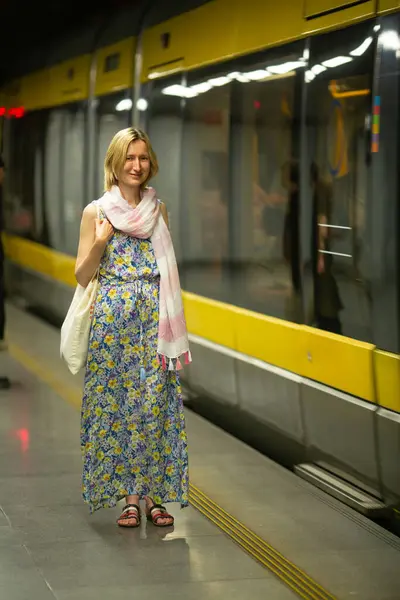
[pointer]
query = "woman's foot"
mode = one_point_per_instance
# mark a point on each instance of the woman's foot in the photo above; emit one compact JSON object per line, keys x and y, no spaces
{"x":158,"y":514}
{"x":130,"y":516}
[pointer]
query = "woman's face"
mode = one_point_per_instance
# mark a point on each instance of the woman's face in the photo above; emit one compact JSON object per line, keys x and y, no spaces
{"x":137,"y":165}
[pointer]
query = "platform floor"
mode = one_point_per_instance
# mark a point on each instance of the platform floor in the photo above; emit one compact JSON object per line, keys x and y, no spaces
{"x":50,"y":547}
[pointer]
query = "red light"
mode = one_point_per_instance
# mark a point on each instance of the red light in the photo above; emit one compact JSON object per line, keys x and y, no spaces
{"x":23,"y":436}
{"x":257,"y":104}
{"x":17,"y":112}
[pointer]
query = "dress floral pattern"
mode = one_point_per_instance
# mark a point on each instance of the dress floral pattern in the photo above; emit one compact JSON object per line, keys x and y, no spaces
{"x":133,"y":435}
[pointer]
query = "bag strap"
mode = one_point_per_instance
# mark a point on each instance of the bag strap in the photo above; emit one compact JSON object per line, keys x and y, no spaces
{"x":97,"y":273}
{"x":98,"y":207}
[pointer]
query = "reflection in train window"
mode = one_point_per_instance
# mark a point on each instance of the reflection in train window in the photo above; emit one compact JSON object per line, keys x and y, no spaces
{"x":266,"y":189}
{"x":240,"y":178}
{"x":338,"y":127}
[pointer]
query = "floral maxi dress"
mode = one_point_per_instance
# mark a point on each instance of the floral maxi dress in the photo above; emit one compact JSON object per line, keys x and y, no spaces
{"x":133,"y":435}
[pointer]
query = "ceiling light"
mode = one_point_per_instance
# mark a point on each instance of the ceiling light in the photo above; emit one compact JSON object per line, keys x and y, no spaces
{"x":390,"y":40}
{"x":286,"y":67}
{"x":363,"y":48}
{"x":125,"y":104}
{"x":142,"y":104}
{"x":258,"y":75}
{"x":337,"y":61}
{"x":201,"y":88}
{"x":219,"y":81}
{"x":318,"y":69}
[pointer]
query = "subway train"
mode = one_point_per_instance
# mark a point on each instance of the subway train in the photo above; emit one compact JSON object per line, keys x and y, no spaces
{"x":276,"y":125}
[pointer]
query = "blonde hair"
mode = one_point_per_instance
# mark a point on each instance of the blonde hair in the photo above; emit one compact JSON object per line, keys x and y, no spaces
{"x":117,"y":153}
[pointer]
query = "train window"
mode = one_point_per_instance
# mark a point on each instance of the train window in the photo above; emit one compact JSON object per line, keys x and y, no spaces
{"x":63,"y":166}
{"x":24,"y":193}
{"x":383,"y":211}
{"x":45,"y":192}
{"x":13,"y":183}
{"x":240,"y":181}
{"x":338,"y":125}
{"x":205,"y":173}
{"x":113,"y":113}
{"x":53,"y":138}
{"x":142,"y":105}
{"x":73,"y":174}
{"x":164,"y":117}
{"x":265,"y":184}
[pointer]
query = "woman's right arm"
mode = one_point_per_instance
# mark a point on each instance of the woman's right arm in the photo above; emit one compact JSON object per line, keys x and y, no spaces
{"x":93,"y":239}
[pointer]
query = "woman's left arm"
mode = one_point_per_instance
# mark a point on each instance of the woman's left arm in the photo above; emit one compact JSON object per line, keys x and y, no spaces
{"x":164,"y":213}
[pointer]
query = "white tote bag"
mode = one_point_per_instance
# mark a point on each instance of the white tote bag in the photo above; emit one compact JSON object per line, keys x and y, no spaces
{"x":76,"y":327}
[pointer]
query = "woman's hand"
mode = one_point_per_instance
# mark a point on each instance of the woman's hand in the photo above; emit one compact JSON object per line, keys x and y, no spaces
{"x":103,"y":231}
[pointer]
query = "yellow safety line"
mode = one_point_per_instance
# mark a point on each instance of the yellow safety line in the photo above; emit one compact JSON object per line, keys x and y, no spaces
{"x":71,"y":394}
{"x":301,"y":583}
{"x":260,"y":544}
{"x":303,"y":589}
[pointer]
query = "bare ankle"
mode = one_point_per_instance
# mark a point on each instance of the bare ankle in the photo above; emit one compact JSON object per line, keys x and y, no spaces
{"x":132,"y":499}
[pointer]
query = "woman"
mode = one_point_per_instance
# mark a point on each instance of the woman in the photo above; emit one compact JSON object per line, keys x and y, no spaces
{"x":133,"y":429}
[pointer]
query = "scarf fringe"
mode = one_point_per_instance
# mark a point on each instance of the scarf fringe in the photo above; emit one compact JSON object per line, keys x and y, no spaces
{"x":174,"y":364}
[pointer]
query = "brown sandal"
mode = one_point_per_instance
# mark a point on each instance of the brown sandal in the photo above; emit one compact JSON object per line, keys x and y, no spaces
{"x":158,"y":512}
{"x":131,"y":511}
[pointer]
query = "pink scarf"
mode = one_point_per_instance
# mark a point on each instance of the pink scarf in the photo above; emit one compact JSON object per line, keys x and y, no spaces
{"x":144,"y":222}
